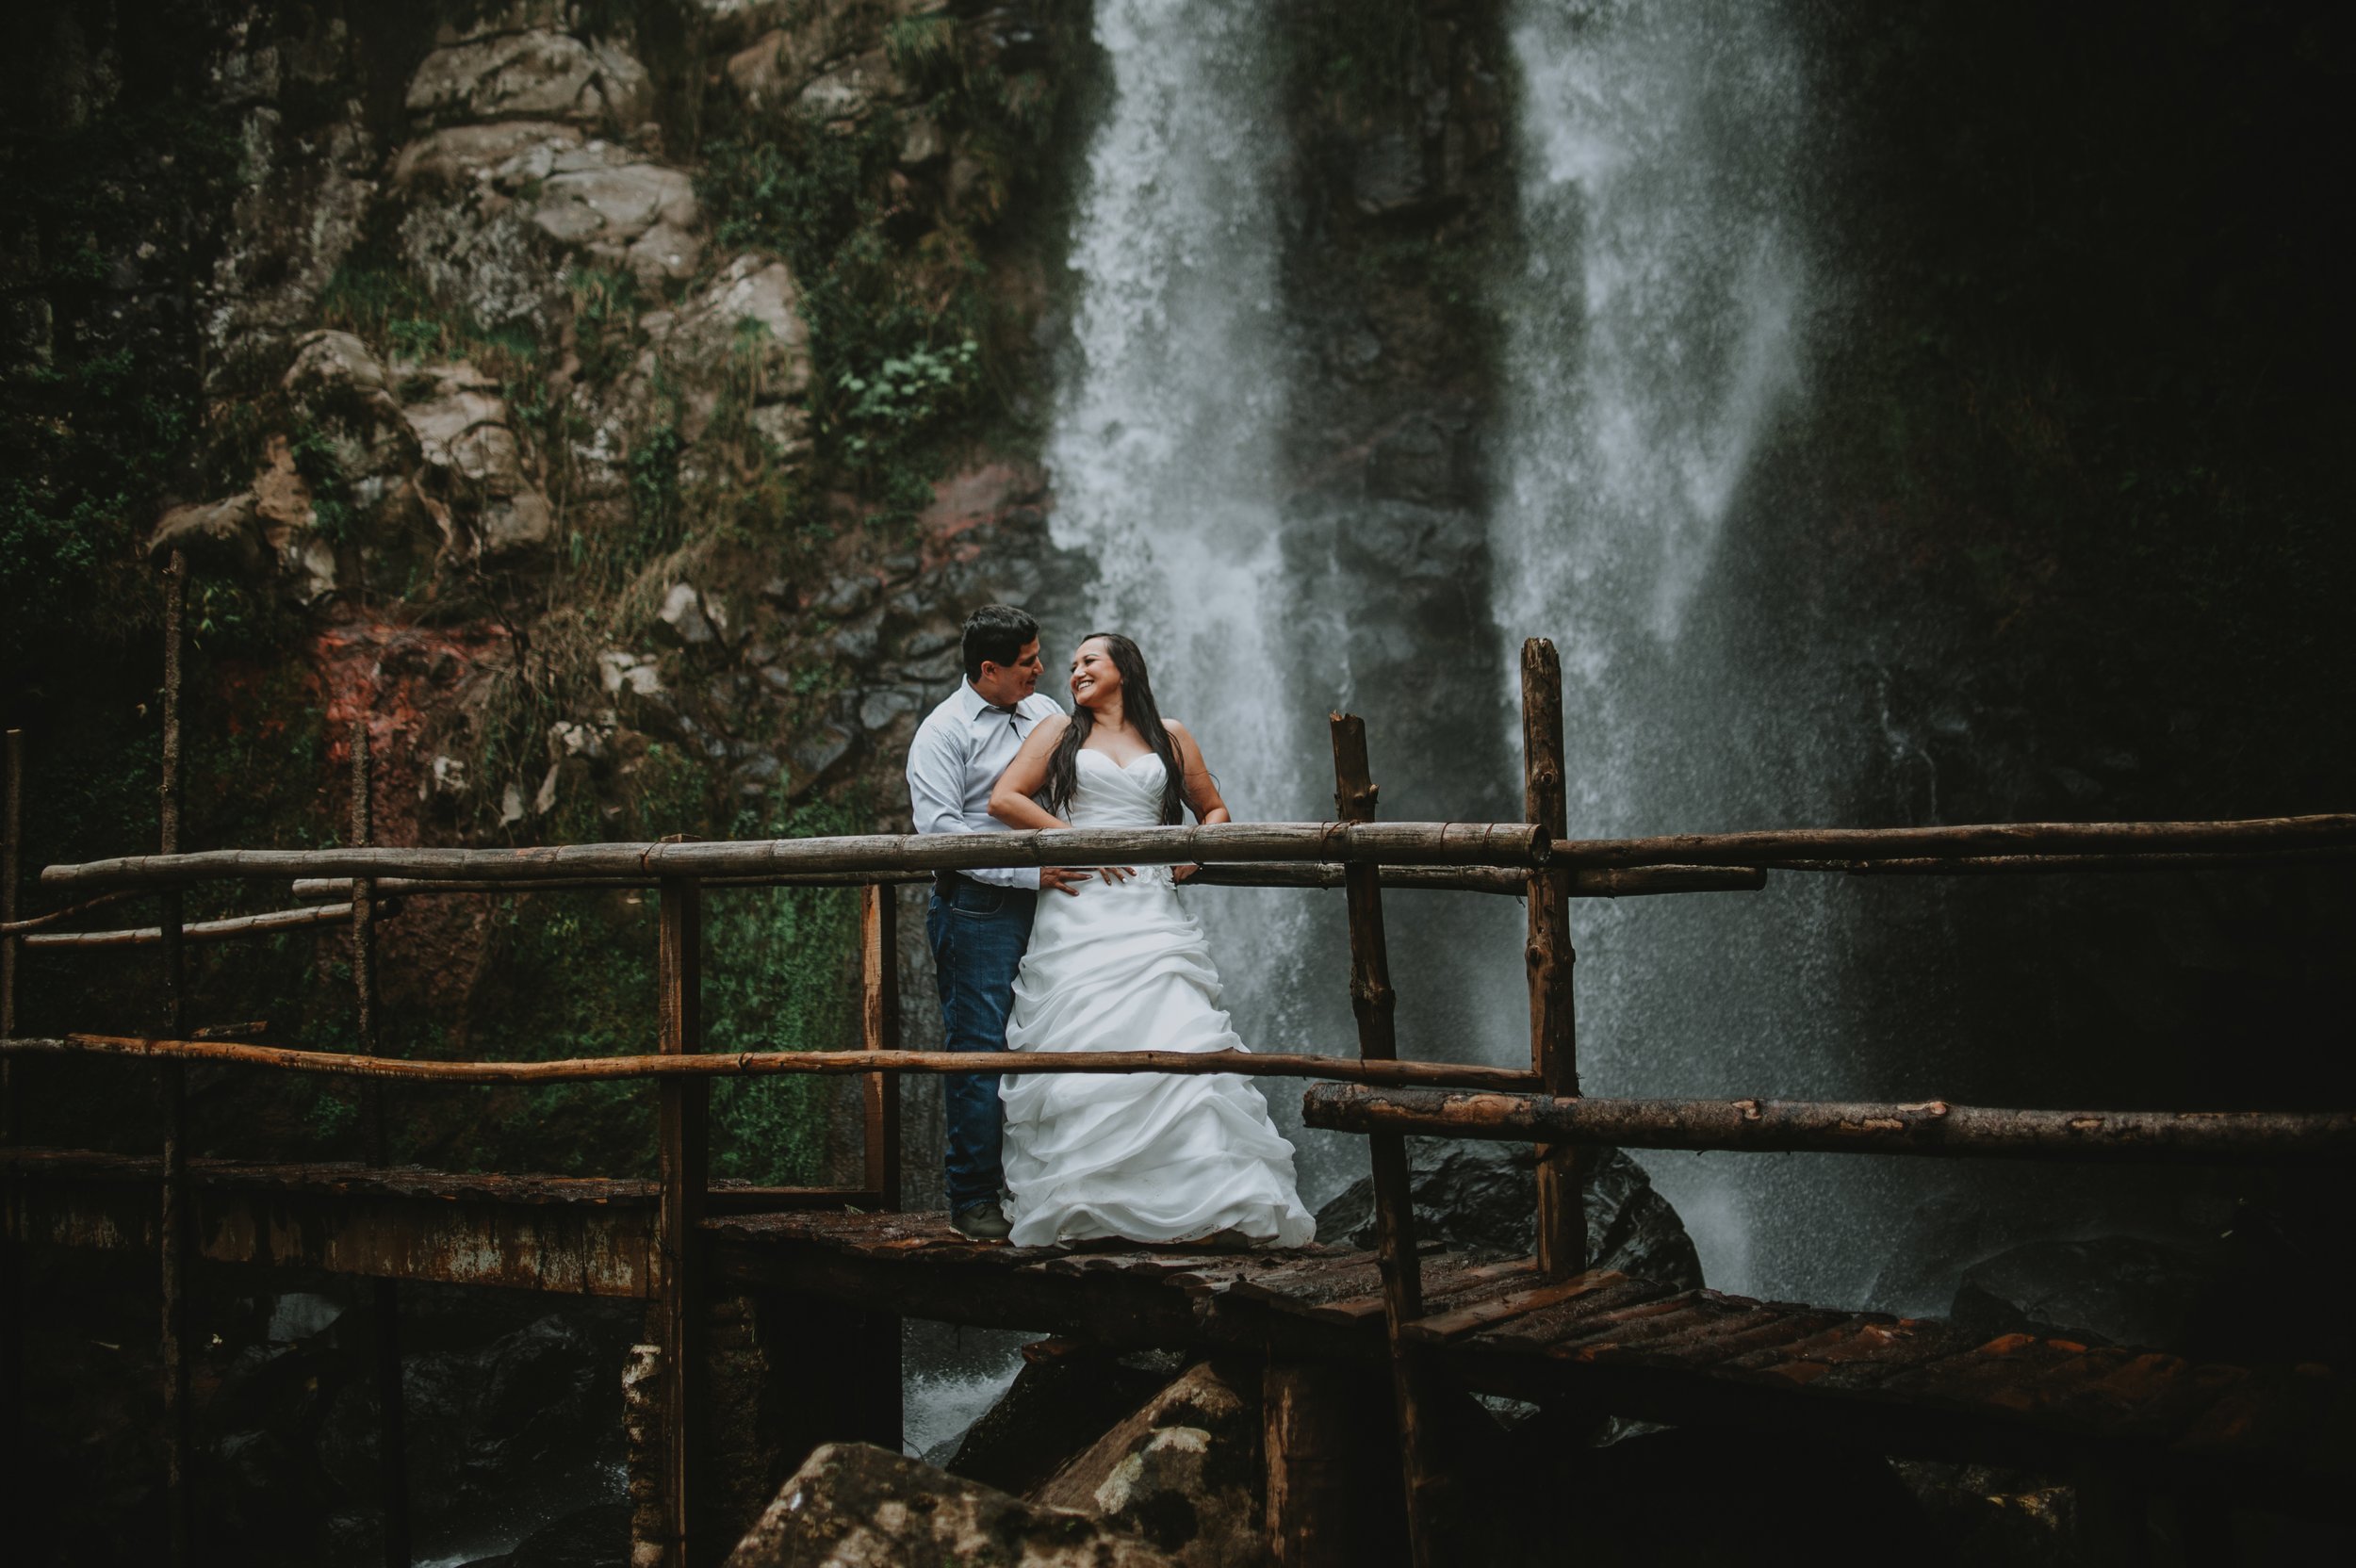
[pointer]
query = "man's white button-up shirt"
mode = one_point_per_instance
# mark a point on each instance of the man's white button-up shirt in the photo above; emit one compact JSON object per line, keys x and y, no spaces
{"x":953,"y":762}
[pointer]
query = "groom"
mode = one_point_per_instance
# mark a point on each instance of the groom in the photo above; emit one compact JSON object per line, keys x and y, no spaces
{"x":979,"y":920}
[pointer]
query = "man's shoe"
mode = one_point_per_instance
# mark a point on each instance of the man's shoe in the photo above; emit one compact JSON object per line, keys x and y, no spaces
{"x":984,"y":1221}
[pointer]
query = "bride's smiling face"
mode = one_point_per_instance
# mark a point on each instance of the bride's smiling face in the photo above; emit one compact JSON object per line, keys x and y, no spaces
{"x":1095,"y":680}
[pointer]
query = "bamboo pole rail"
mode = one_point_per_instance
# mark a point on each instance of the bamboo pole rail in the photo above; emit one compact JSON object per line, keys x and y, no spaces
{"x":1594,"y":882}
{"x":1809,"y":848}
{"x":754,"y":1064}
{"x":1929,"y":1127}
{"x":1441,"y":843}
{"x":198,"y":931}
{"x":29,"y":923}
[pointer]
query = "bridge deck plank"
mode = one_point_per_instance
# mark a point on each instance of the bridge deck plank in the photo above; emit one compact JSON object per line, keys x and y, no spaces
{"x":1626,"y":1342}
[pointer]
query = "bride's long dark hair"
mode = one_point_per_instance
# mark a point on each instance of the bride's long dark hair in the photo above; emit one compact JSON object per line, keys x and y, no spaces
{"x":1136,"y":704}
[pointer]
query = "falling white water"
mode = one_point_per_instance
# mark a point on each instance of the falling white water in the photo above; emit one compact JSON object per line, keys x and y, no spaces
{"x":1653,"y":335}
{"x":1164,"y":451}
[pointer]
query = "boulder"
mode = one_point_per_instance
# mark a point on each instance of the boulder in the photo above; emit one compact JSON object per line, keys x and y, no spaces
{"x":623,"y":210}
{"x":530,"y":75}
{"x":223,"y":537}
{"x":682,"y":615}
{"x":749,"y":319}
{"x":1066,"y":1396}
{"x":852,"y":89}
{"x":1483,"y":1197}
{"x":1184,"y":1472}
{"x":2126,"y":1290}
{"x":854,"y":1506}
{"x":460,"y":155}
{"x":473,"y":470}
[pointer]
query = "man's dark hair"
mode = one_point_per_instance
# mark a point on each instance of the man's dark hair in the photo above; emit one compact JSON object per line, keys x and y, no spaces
{"x":996,"y":632}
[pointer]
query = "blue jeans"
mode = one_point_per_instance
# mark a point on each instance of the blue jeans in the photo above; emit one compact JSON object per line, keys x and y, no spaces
{"x":978,"y":932}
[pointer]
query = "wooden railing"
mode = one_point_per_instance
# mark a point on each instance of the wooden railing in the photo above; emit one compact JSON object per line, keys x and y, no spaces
{"x":1372,"y":1092}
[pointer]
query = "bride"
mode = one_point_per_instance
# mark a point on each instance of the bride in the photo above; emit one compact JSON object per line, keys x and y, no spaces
{"x":1122,"y":966}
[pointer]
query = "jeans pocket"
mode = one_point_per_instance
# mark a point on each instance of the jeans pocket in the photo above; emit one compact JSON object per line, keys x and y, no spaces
{"x":980,"y":900}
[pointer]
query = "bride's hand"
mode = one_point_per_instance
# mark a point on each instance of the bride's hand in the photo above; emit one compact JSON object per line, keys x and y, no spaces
{"x":1116,"y":873}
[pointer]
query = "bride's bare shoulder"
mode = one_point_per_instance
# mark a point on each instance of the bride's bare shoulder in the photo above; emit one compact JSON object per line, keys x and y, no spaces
{"x":1185,"y":737}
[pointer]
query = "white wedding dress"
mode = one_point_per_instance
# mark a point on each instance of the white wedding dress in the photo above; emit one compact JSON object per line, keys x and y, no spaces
{"x":1152,"y":1157}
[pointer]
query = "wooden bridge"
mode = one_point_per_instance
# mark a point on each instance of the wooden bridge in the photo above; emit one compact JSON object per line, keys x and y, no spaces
{"x":1433,"y":1324}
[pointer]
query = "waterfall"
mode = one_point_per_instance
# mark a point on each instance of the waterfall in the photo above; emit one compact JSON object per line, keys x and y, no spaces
{"x":1655,"y":316}
{"x":1164,"y":453}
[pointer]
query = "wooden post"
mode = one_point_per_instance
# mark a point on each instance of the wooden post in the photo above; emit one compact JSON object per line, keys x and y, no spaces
{"x":11,"y":854}
{"x":12,"y":1453}
{"x":392,"y":1446}
{"x":879,"y":1030}
{"x":683,"y":1136}
{"x":1372,"y":1000}
{"x":1553,"y":1033}
{"x":172,"y":1232}
{"x":1319,"y":1421}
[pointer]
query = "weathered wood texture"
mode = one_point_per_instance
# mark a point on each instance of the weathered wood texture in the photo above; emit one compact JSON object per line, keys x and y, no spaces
{"x":1561,"y":1221}
{"x":1931,"y":1127}
{"x":1423,"y":1468}
{"x":682,"y":1146}
{"x":76,"y":912}
{"x":1630,"y":1346}
{"x":1504,"y":844}
{"x":12,"y":846}
{"x":171,"y":1105}
{"x":1440,"y":843}
{"x":197,"y":931}
{"x":755,"y":1064}
{"x":879,"y":1031}
{"x":1600,"y":882}
{"x":392,"y":1443}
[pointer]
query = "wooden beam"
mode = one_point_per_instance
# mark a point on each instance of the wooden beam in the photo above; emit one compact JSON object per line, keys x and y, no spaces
{"x":879,"y":1031}
{"x":1931,"y":1127}
{"x":392,"y":1440}
{"x":1372,"y":1000}
{"x":172,"y":1103}
{"x":758,"y":1063}
{"x":197,"y":931}
{"x":682,"y":1147}
{"x":1553,"y":1029}
{"x":1594,"y":882}
{"x":1431,"y":843}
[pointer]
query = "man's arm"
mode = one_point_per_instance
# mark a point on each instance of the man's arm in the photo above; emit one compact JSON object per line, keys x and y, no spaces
{"x":936,"y":798}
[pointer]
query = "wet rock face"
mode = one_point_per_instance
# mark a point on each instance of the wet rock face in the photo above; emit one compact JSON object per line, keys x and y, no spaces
{"x":1483,"y":1197}
{"x":853,"y":1506}
{"x":1062,"y":1401}
{"x":1184,"y":1472}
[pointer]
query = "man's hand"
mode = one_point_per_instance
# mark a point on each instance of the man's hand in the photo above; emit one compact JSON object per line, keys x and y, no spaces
{"x":1062,"y":879}
{"x":1184,"y":872}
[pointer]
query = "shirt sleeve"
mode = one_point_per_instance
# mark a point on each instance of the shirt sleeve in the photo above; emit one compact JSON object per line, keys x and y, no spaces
{"x":936,"y":800}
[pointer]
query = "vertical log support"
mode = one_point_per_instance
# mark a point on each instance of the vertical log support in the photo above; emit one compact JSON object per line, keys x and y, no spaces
{"x":173,"y":1230}
{"x":684,"y":1144}
{"x":1553,"y":1035}
{"x":12,"y":859}
{"x":12,"y":1259}
{"x":392,"y":1447}
{"x":879,"y":1030}
{"x":1372,"y":1000}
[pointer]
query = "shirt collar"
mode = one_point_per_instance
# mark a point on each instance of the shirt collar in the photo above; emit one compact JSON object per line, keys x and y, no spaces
{"x":973,"y":705}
